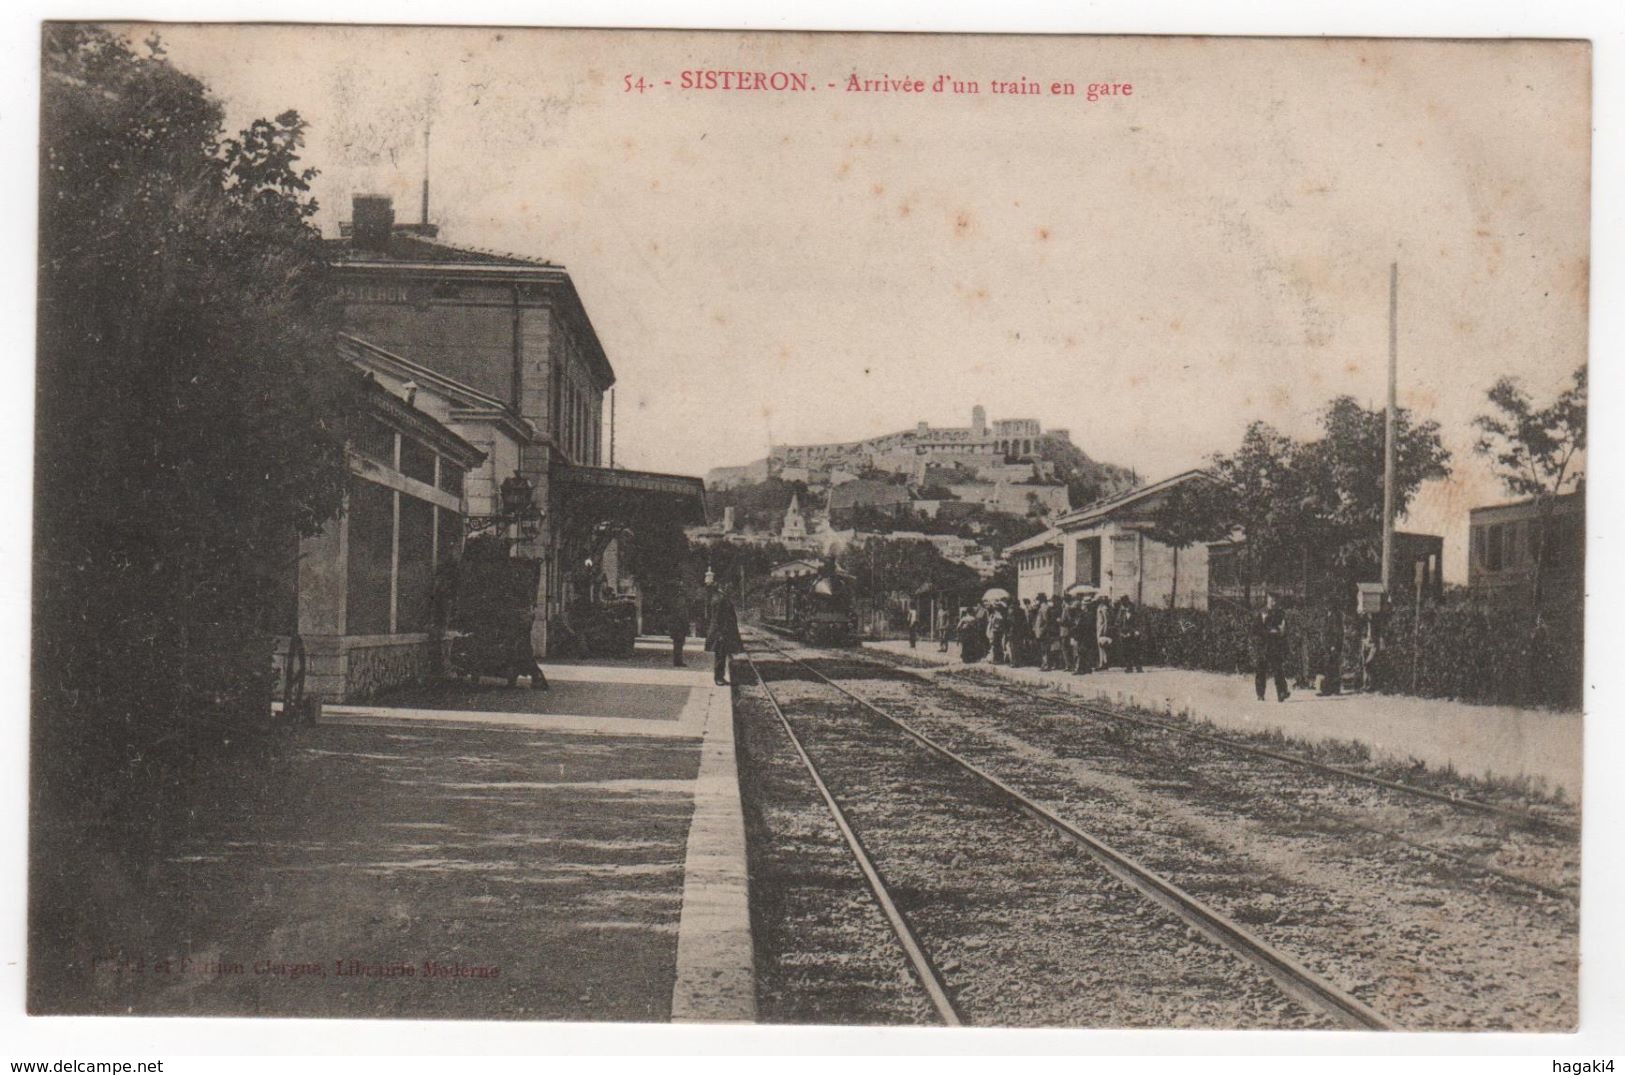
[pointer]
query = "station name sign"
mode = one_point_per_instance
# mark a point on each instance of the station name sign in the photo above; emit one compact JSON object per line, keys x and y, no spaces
{"x":402,"y":294}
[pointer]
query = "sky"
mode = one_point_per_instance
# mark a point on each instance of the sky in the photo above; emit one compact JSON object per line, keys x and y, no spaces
{"x":1152,"y":271}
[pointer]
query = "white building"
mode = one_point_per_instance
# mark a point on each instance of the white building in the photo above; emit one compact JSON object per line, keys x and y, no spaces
{"x":795,"y":526}
{"x":1104,"y":544}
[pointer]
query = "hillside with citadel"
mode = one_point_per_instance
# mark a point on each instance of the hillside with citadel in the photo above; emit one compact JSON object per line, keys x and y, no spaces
{"x":970,"y":489}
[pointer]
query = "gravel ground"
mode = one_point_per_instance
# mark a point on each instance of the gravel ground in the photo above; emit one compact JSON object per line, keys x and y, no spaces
{"x":1537,"y":854}
{"x":1431,"y":943}
{"x":1027,"y":929}
{"x":824,"y":952}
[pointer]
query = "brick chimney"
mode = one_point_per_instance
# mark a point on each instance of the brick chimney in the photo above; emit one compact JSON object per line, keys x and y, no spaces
{"x":373,"y":218}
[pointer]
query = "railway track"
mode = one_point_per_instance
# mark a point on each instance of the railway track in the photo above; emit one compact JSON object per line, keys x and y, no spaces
{"x":1291,"y":978}
{"x":1525,"y":819}
{"x":1521,"y":817}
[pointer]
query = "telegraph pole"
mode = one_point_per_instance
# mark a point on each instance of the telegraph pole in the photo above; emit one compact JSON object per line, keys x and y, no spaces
{"x":1389,"y":421}
{"x":424,"y":213}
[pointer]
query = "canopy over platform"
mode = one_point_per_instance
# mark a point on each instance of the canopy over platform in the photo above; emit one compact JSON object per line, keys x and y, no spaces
{"x":638,"y":491}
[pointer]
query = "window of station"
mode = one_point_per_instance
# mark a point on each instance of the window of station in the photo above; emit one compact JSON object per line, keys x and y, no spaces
{"x":371,"y":548}
{"x":415,"y":578}
{"x":375,"y":439}
{"x":451,"y":477}
{"x":417,"y":460}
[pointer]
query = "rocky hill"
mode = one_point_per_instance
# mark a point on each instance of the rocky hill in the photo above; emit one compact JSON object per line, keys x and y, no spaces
{"x":1086,"y":479}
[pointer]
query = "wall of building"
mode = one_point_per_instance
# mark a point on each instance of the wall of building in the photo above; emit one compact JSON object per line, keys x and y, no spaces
{"x":1038,"y":573}
{"x":366,"y":582}
{"x":576,"y":419}
{"x":468,"y":337}
{"x":1134,"y":565}
{"x":1012,"y":499}
{"x":1159,"y":576}
{"x":502,"y":455}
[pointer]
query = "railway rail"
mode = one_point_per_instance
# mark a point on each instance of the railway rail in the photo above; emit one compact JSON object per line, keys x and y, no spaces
{"x":1527,"y":819}
{"x":1291,"y":977}
{"x":1522,"y":817}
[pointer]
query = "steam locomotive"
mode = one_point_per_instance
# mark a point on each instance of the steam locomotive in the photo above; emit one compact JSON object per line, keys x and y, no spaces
{"x":812,"y":603}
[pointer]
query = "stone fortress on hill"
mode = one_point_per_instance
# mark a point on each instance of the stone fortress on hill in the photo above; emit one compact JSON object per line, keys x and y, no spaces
{"x":939,"y":446}
{"x":1005,"y":449}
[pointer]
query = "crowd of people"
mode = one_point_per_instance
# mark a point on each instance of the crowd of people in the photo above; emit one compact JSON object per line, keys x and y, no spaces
{"x":1078,"y":633}
{"x":1082,"y":633}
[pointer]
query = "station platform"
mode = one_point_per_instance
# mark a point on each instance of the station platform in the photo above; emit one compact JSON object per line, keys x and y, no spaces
{"x":1537,"y":746}
{"x":589,"y":704}
{"x":471,"y":851}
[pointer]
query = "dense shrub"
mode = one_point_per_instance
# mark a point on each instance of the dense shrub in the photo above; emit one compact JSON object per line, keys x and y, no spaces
{"x":1492,"y":654}
{"x":190,"y":408}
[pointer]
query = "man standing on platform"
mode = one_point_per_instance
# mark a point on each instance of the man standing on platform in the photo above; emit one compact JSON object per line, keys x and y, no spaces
{"x":677,"y":628}
{"x":1128,"y":635}
{"x":1084,"y":641}
{"x":1105,"y":630}
{"x":1269,"y":648}
{"x":1019,"y":633}
{"x":722,"y":634}
{"x":1044,"y":632}
{"x":997,"y":624}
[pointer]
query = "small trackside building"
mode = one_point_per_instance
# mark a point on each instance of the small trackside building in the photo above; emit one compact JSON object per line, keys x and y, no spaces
{"x":1105,"y":545}
{"x":1037,"y":561}
{"x":1507,"y":541}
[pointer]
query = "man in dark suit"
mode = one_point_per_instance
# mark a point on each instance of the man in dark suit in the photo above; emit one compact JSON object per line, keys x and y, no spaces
{"x":722,"y":634}
{"x":1129,"y":635}
{"x":1044,"y":632}
{"x":677,"y":628}
{"x":1085,"y":643}
{"x":1269,"y":648}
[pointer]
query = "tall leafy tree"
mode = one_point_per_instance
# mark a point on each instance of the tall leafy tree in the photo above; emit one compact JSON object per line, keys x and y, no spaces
{"x":1304,"y":507}
{"x":1536,"y":452}
{"x":1343,"y":470}
{"x":190,"y":405}
{"x":1257,"y":493}
{"x":1189,"y":513}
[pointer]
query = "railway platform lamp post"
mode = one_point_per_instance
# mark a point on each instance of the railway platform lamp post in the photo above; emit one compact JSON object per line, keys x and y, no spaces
{"x":516,"y":509}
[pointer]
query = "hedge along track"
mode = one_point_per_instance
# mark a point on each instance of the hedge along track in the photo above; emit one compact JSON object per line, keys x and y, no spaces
{"x":1291,"y":977}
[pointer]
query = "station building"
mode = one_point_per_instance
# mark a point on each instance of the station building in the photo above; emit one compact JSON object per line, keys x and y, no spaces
{"x":1105,"y":545}
{"x":362,"y":592}
{"x":499,"y":351}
